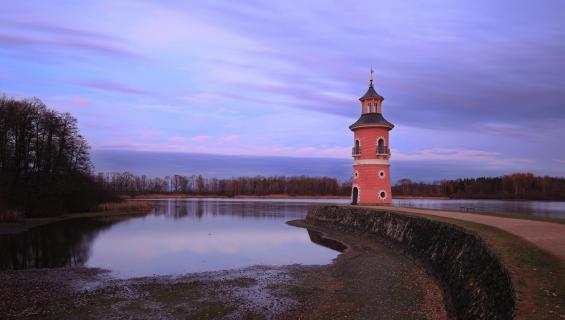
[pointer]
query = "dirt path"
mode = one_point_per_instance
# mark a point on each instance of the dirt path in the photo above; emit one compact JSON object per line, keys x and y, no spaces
{"x":546,"y":235}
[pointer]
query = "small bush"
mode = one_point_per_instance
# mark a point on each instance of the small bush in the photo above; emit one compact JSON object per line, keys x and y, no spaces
{"x":11,"y":216}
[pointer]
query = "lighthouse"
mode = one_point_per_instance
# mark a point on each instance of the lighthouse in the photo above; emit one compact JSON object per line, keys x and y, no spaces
{"x":371,"y":152}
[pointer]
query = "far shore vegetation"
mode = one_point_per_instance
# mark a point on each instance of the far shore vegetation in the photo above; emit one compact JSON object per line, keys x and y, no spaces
{"x":517,"y":186}
{"x":45,"y":170}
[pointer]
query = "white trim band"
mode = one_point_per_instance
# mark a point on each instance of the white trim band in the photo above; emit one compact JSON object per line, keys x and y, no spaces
{"x":372,"y":161}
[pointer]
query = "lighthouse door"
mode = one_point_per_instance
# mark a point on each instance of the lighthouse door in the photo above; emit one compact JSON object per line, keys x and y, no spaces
{"x":355,"y":196}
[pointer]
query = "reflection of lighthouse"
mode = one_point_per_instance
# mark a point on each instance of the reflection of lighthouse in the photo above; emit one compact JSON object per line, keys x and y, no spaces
{"x":371,"y":153}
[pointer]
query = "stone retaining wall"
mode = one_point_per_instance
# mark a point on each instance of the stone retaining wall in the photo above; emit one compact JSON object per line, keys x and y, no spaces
{"x":478,"y":284}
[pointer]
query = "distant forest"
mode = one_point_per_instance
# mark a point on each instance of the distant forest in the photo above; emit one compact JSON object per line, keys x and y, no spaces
{"x":127,"y":183}
{"x":515,"y":186}
{"x":45,"y":167}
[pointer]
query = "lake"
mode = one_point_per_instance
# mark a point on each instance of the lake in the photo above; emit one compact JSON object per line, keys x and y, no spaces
{"x":193,"y":235}
{"x":546,"y":209}
{"x":177,"y":237}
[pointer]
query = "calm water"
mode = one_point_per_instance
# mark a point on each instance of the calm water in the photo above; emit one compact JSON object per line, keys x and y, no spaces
{"x":549,"y":209}
{"x":180,"y":236}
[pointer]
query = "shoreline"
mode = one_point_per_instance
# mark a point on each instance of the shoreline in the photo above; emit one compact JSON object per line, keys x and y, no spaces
{"x":191,"y":196}
{"x":347,"y":288}
{"x":286,"y":196}
{"x":28,"y":223}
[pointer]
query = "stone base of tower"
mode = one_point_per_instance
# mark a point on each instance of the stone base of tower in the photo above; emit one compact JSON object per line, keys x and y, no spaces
{"x":371,"y":184}
{"x":374,"y":204}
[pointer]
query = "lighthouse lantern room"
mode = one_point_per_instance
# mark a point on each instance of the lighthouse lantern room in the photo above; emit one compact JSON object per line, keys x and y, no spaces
{"x":371,"y":152}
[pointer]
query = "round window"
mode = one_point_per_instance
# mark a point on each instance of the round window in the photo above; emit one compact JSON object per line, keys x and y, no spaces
{"x":356,"y":174}
{"x":382,"y":194}
{"x":382,"y":174}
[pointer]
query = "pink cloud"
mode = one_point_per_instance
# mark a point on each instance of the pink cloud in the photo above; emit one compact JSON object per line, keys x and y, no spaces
{"x":178,"y":139}
{"x":150,"y":133}
{"x":81,"y":102}
{"x":231,"y":138}
{"x":200,"y":138}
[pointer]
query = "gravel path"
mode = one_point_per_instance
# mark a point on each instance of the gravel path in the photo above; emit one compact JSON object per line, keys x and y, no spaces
{"x":548,"y":236}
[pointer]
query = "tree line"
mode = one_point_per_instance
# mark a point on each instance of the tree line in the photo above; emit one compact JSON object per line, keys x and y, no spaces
{"x":515,"y":186}
{"x":127,"y":183}
{"x":45,"y":167}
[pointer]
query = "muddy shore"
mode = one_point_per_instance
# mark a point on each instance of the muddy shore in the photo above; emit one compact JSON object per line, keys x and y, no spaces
{"x":368,"y":280}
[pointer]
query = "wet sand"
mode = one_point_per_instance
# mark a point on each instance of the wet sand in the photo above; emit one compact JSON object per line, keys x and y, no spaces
{"x":367,"y":281}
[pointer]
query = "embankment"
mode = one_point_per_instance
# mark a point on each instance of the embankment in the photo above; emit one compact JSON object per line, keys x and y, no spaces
{"x":477,"y":284}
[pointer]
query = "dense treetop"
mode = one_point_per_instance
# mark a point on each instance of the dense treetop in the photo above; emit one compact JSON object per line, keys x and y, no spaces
{"x":44,"y":162}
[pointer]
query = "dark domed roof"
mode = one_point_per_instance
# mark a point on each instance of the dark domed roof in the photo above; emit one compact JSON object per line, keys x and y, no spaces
{"x":371,"y":120}
{"x":371,"y":93}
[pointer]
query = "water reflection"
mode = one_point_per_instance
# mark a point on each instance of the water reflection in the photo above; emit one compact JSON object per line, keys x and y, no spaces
{"x":179,"y":236}
{"x":59,"y":244}
{"x":553,"y":209}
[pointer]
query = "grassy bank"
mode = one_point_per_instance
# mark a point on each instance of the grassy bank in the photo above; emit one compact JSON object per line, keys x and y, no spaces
{"x":511,"y":215}
{"x":538,"y":277}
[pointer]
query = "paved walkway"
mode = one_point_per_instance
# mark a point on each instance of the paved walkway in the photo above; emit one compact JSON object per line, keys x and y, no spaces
{"x":546,"y":235}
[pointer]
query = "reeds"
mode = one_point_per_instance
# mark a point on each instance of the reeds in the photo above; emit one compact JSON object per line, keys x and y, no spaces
{"x":125,"y":206}
{"x":11,"y":216}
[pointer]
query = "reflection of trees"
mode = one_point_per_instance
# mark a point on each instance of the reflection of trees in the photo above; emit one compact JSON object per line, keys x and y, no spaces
{"x":61,"y":244}
{"x":198,"y":208}
{"x":318,"y":238}
{"x":68,"y":243}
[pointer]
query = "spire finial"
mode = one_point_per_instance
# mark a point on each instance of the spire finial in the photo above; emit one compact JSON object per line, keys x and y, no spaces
{"x":372,"y":71}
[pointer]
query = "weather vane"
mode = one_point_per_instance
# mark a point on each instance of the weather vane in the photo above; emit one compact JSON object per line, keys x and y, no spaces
{"x":372,"y":71}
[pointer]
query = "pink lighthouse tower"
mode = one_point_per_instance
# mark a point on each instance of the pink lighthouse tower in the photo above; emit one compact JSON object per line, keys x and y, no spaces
{"x":371,"y":152}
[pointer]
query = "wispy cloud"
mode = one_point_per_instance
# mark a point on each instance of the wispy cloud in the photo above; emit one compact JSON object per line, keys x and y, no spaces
{"x":471,"y":80}
{"x":112,"y":86}
{"x":462,"y":155}
{"x":44,"y":37}
{"x":446,"y":154}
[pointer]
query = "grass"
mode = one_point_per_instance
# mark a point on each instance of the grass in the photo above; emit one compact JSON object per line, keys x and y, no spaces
{"x":10,"y":216}
{"x":538,"y":276}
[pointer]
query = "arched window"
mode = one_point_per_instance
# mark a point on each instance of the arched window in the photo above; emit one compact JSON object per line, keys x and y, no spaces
{"x":355,"y":195}
{"x":381,"y":148}
{"x":357,"y":148}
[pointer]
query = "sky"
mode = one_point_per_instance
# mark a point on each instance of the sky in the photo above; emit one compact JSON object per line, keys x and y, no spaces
{"x":474,"y":86}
